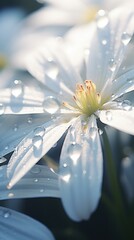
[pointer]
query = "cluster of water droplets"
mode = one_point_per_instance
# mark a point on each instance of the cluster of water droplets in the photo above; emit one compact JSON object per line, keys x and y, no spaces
{"x":102,"y":19}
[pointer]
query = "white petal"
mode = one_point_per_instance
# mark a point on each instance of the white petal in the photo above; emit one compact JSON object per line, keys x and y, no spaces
{"x":67,"y":5}
{"x":107,"y":48}
{"x":21,"y":101}
{"x":50,"y":65}
{"x":32,"y":148}
{"x":40,"y":181}
{"x":15,"y":225}
{"x":119,"y":119}
{"x":15,"y":127}
{"x":81,"y":171}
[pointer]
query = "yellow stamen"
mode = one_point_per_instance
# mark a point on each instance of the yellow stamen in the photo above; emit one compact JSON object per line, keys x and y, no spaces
{"x":90,"y":13}
{"x":3,"y":61}
{"x":87,"y":100}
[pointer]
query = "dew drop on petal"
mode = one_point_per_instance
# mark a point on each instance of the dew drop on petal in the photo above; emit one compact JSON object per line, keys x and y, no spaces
{"x":39,"y":131}
{"x":2,"y":160}
{"x":52,"y":69}
{"x":36,"y":180}
{"x":11,"y":195}
{"x":6,"y":214}
{"x":126,"y":105}
{"x":51,"y":105}
{"x":126,"y":37}
{"x":112,"y":65}
{"x":29,"y":120}
{"x":74,"y":152}
{"x":93,"y":132}
{"x":35,"y":170}
{"x":109,"y":115}
{"x":72,"y":134}
{"x":2,"y":109}
{"x":100,"y":131}
{"x":102,"y":19}
{"x":15,"y":128}
{"x":37,"y":141}
{"x":41,"y":190}
{"x":104,"y":42}
{"x":17,"y":88}
{"x":65,"y":173}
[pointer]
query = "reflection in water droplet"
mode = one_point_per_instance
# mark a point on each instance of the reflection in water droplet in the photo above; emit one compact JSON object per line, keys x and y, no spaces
{"x":112,"y":65}
{"x":2,"y":109}
{"x":36,"y":180}
{"x":52,"y":69}
{"x":2,"y":160}
{"x":126,"y":105}
{"x":74,"y":152}
{"x":17,"y":88}
{"x":109,"y":115}
{"x":51,"y":105}
{"x":126,"y":37}
{"x":37,"y":141}
{"x":102,"y":19}
{"x":65,"y":173}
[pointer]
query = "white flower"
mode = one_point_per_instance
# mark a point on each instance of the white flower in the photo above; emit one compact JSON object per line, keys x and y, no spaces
{"x":15,"y":225}
{"x":78,"y":11}
{"x":62,"y":99}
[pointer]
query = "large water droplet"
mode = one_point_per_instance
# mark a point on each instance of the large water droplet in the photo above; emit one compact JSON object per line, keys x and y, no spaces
{"x":126,"y":37}
{"x":126,"y":105}
{"x":109,"y":115}
{"x":37,"y":142}
{"x":39,"y":131}
{"x":17,"y":88}
{"x":74,"y":152}
{"x":102,"y":19}
{"x":112,"y":65}
{"x":72,"y":134}
{"x":51,"y":105}
{"x":52,"y":69}
{"x":93,"y":132}
{"x":2,"y":109}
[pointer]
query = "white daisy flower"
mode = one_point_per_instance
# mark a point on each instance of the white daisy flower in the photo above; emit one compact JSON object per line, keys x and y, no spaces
{"x":15,"y":225}
{"x":63,"y":100}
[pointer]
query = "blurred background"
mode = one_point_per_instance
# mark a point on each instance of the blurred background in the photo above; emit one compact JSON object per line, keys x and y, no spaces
{"x":103,"y":224}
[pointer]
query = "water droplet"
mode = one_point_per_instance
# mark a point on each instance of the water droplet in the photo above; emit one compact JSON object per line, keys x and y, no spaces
{"x":93,"y":132}
{"x":126,"y":105}
{"x":39,"y":131}
{"x":51,"y":105}
{"x":36,"y":180}
{"x":11,"y":195}
{"x":72,"y":134}
{"x":41,"y":190}
{"x":37,"y":141}
{"x":2,"y":160}
{"x":109,"y":115}
{"x":15,"y":128}
{"x":29,"y":120}
{"x":17,"y":88}
{"x":126,"y":37}
{"x":100,"y":131}
{"x":104,"y":42}
{"x":6,"y":147}
{"x":65,"y":173}
{"x":102,"y":19}
{"x":6,"y":214}
{"x":52,"y":69}
{"x":112,"y":65}
{"x":35,"y":170}
{"x":74,"y":152}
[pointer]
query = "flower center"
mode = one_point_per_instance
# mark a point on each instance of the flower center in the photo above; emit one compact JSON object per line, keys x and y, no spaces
{"x":3,"y":61}
{"x":87,"y":100}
